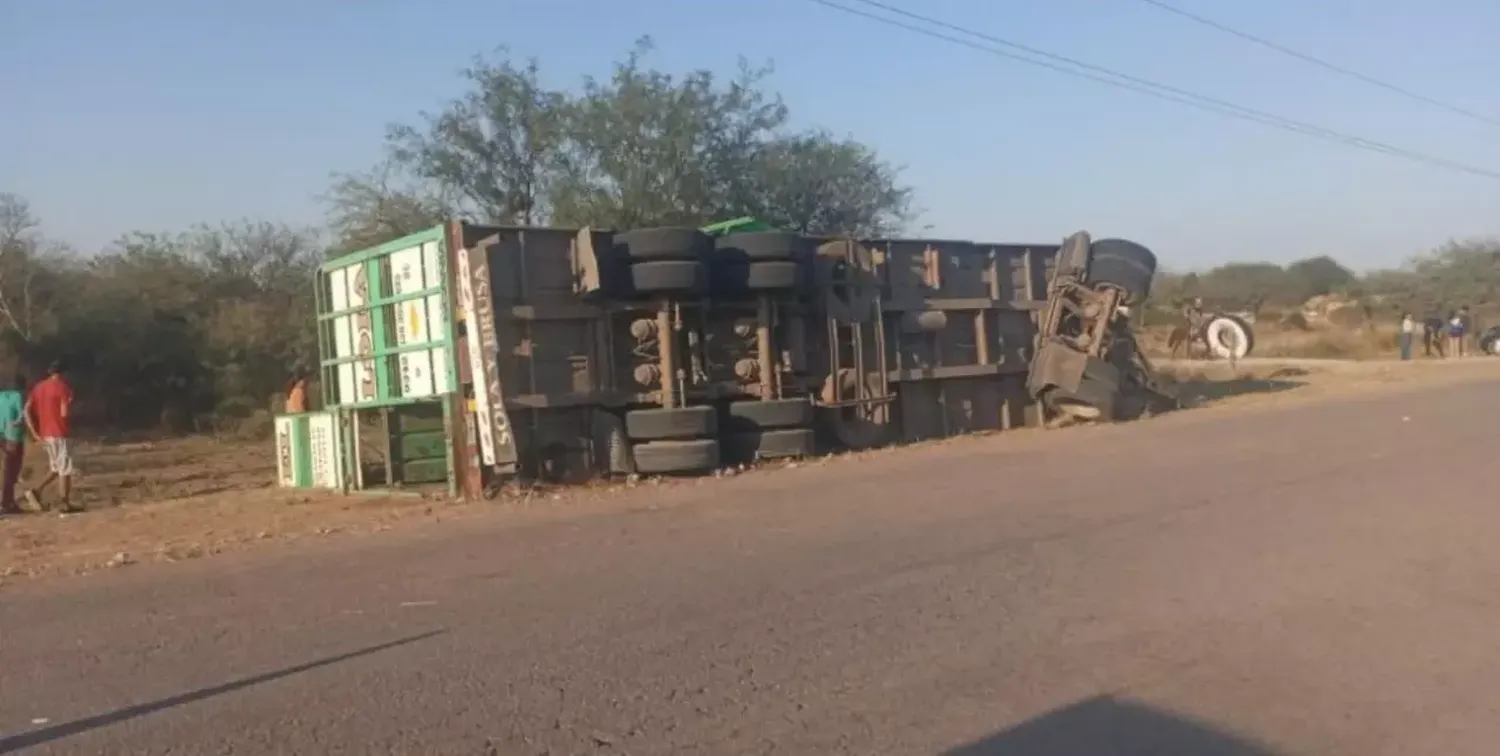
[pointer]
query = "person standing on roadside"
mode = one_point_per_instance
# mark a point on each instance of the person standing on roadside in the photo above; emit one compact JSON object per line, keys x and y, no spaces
{"x":1408,"y":332}
{"x":1455,"y":334}
{"x":1432,"y":334}
{"x":12,"y":441}
{"x":1466,"y":321}
{"x":47,"y":417}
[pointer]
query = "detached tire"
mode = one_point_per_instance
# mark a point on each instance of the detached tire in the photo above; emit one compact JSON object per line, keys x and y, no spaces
{"x":770,"y":414}
{"x":750,"y":446}
{"x":758,"y":246}
{"x":1222,"y":331}
{"x":1124,"y":265}
{"x":674,"y":423}
{"x":680,"y":277}
{"x":654,"y":244}
{"x":658,"y":457}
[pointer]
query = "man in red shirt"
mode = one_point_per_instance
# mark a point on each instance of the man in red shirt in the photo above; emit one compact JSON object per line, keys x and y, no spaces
{"x":46,"y":414}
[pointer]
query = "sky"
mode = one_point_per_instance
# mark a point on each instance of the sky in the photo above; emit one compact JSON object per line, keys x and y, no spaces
{"x":159,"y":114}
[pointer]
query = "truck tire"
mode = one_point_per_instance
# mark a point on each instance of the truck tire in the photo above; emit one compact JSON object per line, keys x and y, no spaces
{"x":1223,"y":330}
{"x":1124,"y":265}
{"x":681,"y":277}
{"x":758,"y":246}
{"x":658,"y":457}
{"x":671,"y":423}
{"x":749,"y":446}
{"x":769,"y":414}
{"x":742,"y":278}
{"x":654,"y":244}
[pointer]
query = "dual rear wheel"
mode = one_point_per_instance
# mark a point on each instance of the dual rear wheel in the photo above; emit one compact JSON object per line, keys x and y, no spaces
{"x":700,"y":439}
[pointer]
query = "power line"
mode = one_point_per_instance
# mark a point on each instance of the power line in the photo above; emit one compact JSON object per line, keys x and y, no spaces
{"x":1334,"y":67}
{"x":1073,"y":67}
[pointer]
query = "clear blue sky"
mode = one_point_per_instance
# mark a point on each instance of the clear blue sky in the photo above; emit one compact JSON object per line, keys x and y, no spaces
{"x":155,"y":114}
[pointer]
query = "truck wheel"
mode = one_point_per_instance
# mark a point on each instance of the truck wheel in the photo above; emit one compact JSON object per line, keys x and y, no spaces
{"x":668,"y":277}
{"x":749,"y":446}
{"x":773,"y":276}
{"x":741,"y":278}
{"x":757,"y":246}
{"x":671,"y":423}
{"x":773,"y":413}
{"x":652,"y":244}
{"x":657,"y":457}
{"x":1124,"y":265}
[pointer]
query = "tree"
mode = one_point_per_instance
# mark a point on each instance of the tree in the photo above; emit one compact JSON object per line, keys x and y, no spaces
{"x":1248,"y":284}
{"x":24,"y":285}
{"x":1462,"y":272}
{"x":1316,"y":276}
{"x":640,"y":148}
{"x":366,"y":209}
{"x":815,"y":184}
{"x":653,"y":149}
{"x":496,"y":148}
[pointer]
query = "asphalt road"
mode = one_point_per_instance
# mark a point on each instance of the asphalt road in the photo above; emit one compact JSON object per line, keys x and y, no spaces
{"x":1309,"y":580}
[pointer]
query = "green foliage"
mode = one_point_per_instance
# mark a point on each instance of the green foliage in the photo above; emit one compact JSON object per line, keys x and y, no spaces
{"x":366,"y":209}
{"x":162,"y":328}
{"x":1316,"y":276}
{"x":641,"y":147}
{"x":1458,"y":273}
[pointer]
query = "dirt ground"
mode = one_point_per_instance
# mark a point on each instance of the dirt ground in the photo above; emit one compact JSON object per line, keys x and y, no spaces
{"x":188,"y":498}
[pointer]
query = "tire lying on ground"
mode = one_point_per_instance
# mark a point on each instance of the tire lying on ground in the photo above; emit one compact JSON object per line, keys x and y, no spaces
{"x":749,"y":446}
{"x":1124,"y":265}
{"x":658,"y":457}
{"x":1229,"y":337}
{"x":671,"y":423}
{"x":666,"y":243}
{"x":768,"y":414}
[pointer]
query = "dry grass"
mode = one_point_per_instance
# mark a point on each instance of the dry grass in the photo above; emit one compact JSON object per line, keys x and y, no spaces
{"x":1362,"y":343}
{"x":1273,"y":340}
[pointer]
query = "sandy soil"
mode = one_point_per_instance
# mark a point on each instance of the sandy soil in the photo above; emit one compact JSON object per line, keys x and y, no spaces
{"x":187,"y":498}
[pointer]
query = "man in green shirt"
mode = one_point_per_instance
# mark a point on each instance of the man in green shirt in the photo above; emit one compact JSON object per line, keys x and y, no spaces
{"x":12,"y":441}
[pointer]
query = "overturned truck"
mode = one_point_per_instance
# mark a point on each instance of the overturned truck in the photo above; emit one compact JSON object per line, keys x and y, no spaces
{"x":469,"y":355}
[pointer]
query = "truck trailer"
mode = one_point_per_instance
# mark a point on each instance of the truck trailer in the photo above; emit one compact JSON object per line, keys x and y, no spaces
{"x":467,"y":355}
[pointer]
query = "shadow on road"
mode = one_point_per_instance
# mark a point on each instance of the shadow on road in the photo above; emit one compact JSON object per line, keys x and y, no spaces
{"x":14,"y":743}
{"x":1107,"y":726}
{"x":1200,"y":388}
